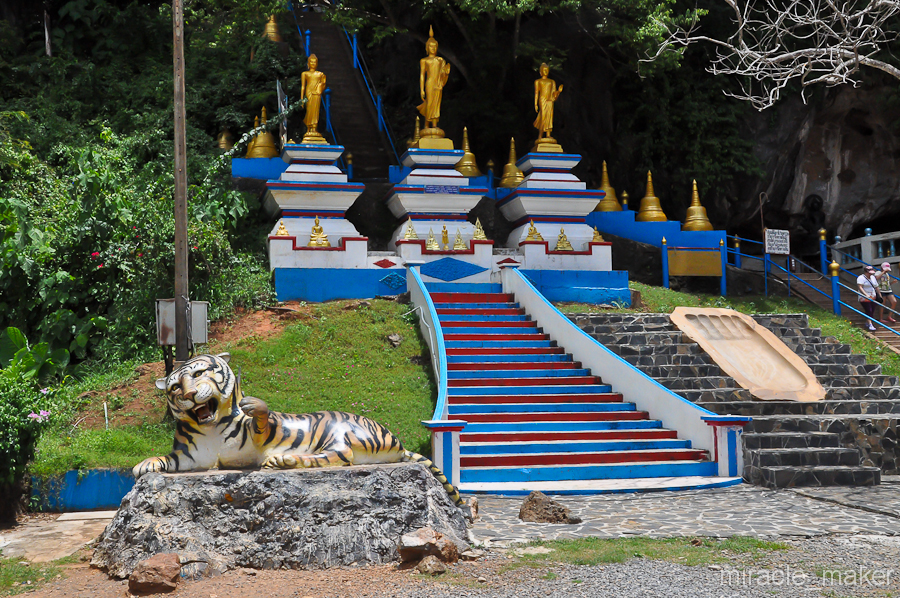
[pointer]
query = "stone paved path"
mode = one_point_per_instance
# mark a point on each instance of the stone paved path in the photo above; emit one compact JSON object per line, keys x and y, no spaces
{"x":737,"y":511}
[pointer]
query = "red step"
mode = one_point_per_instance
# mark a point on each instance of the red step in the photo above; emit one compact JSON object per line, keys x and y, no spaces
{"x":516,"y":365}
{"x":559,"y":380}
{"x":488,"y":324}
{"x":529,"y":416}
{"x":506,"y":351}
{"x":651,"y":434}
{"x":600,"y":397}
{"x":524,"y":336}
{"x":527,"y":460}
{"x":481,"y":311}
{"x":472,"y":297}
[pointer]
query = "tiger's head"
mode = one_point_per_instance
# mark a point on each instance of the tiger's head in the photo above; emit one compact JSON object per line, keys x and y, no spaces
{"x":200,"y":391}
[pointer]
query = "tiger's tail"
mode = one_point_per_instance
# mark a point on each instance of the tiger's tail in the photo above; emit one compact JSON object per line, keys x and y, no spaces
{"x":412,"y":457}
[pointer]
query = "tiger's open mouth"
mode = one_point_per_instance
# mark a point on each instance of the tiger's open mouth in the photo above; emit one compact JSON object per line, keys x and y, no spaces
{"x":205,"y":412}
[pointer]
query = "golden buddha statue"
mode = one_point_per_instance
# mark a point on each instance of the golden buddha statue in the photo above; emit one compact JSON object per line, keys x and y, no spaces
{"x":433,"y":74}
{"x":317,"y":237}
{"x":282,"y":230}
{"x":545,"y":95}
{"x":431,"y":244}
{"x":479,"y":231}
{"x":459,"y":244}
{"x":533,"y":234}
{"x":445,"y":239}
{"x":312,"y":86}
{"x":562,"y":242}
{"x":410,"y":231}
{"x":597,"y":238}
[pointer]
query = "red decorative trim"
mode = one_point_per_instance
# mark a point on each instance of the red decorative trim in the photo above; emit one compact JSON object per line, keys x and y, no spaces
{"x":340,"y":246}
{"x":421,"y":242}
{"x":547,"y":249}
{"x":509,"y":260}
{"x":719,"y":423}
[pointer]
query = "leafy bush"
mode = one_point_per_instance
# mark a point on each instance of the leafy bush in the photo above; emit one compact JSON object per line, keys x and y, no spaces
{"x":24,"y":409}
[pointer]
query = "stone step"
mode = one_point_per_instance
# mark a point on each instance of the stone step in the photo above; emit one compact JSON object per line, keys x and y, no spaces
{"x":834,"y":385}
{"x":791,"y":477}
{"x":678,"y":360}
{"x":622,"y":318}
{"x":834,"y":424}
{"x":798,"y":320}
{"x":713,"y":394}
{"x":806,"y":456}
{"x":679,"y":349}
{"x":761,"y":408}
{"x":774,"y":440}
{"x":680,"y":371}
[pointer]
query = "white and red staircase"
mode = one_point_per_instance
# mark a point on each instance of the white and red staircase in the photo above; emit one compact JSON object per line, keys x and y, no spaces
{"x":537,"y":420}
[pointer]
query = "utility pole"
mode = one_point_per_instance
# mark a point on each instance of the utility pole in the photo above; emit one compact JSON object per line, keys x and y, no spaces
{"x":182,"y":302}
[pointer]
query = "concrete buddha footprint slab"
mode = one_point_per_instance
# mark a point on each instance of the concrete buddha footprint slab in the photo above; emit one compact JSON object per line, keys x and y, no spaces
{"x":749,"y":353}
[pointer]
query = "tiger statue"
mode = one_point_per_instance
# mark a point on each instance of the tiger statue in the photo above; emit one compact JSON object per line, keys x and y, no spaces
{"x":217,"y":426}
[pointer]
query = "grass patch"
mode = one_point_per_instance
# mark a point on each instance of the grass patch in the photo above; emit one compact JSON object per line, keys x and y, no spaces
{"x":18,"y":575}
{"x":662,"y":300}
{"x":685,"y":551}
{"x":338,"y":359}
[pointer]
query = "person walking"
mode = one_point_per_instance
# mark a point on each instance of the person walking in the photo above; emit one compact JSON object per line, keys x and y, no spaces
{"x":887,"y":293}
{"x":868,"y":294}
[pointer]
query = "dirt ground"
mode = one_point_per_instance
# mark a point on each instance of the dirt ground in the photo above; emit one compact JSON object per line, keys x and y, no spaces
{"x":376,"y":580}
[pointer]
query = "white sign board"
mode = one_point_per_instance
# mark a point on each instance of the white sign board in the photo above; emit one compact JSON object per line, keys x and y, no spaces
{"x":778,"y":242}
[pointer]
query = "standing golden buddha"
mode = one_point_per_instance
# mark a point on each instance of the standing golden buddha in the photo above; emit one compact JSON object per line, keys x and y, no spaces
{"x":433,"y":74}
{"x":545,"y":95}
{"x":312,"y":86}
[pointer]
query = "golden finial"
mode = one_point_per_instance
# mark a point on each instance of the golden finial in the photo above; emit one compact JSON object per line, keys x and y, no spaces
{"x":282,"y":230}
{"x":479,"y":231}
{"x":610,"y":203}
{"x":459,"y":244}
{"x":410,"y":231}
{"x":533,"y":234}
{"x":349,"y":158}
{"x":624,"y":200}
{"x":490,"y":166}
{"x":512,"y":176}
{"x":562,"y":242}
{"x":834,"y":269}
{"x":264,"y":143}
{"x":272,"y":31}
{"x":650,"y":210}
{"x":663,"y":240}
{"x":467,"y":165}
{"x":414,"y":142}
{"x":822,"y":234}
{"x":431,"y":244}
{"x":696,"y":218}
{"x":318,"y":238}
{"x":597,"y":238}
{"x":445,"y":239}
{"x":430,"y":34}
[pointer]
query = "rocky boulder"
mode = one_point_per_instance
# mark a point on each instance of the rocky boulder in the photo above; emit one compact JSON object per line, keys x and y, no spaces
{"x":540,"y":508}
{"x":313,"y":518}
{"x":155,"y":575}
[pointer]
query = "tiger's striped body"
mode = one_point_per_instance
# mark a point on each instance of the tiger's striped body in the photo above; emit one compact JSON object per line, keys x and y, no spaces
{"x":217,"y":426}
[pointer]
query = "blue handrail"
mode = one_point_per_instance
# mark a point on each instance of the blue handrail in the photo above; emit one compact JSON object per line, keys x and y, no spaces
{"x":359,"y":62}
{"x":853,"y":257}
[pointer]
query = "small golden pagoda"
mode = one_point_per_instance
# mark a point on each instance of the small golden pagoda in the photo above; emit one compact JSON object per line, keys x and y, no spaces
{"x":431,"y":244}
{"x":458,"y":243}
{"x":467,"y":165}
{"x":317,"y":237}
{"x":479,"y":231}
{"x":512,"y":176}
{"x":650,"y":210}
{"x":263,"y":145}
{"x":533,"y":234}
{"x":696,"y":218}
{"x":624,"y":200}
{"x":562,"y":242}
{"x":251,"y":147}
{"x":272,"y":31}
{"x":225,"y":140}
{"x":414,"y":142}
{"x":610,"y":203}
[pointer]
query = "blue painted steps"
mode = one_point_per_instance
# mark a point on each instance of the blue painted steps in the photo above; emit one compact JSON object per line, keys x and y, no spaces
{"x":534,"y":414}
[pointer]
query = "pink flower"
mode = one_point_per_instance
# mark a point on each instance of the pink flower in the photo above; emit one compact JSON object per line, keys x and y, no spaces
{"x":95,"y":254}
{"x":100,"y":266}
{"x":140,"y":255}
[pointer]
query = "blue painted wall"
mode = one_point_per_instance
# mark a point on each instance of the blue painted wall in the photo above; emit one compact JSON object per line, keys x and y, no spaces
{"x":97,"y":489}
{"x":327,"y":284}
{"x":583,"y":286}
{"x":622,"y":224}
{"x":258,"y":168}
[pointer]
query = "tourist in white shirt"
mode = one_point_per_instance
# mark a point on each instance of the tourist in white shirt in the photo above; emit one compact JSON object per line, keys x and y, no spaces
{"x":869,"y":295}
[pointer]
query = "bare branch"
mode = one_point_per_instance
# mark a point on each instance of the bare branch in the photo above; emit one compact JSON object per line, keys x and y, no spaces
{"x":809,"y":42}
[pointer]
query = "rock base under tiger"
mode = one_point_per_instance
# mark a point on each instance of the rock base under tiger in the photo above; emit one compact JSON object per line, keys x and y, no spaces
{"x":294,"y":519}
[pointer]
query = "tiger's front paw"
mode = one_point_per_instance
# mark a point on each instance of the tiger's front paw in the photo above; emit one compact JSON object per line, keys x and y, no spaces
{"x":153,"y":464}
{"x":251,"y":406}
{"x":285,"y":462}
